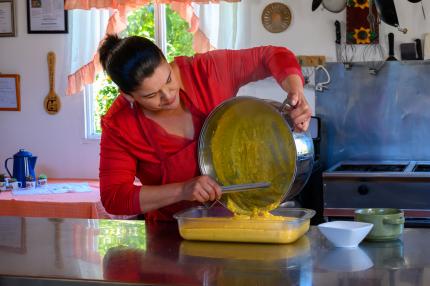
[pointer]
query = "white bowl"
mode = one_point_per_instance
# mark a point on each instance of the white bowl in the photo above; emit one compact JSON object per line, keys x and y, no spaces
{"x":345,"y":233}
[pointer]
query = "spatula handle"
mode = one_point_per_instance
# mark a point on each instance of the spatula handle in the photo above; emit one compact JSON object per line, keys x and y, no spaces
{"x":51,"y":69}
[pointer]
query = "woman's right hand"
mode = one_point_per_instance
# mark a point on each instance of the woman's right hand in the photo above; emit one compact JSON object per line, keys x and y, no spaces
{"x":202,"y":189}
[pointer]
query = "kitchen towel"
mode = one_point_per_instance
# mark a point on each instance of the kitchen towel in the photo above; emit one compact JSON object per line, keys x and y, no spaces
{"x":427,"y":46}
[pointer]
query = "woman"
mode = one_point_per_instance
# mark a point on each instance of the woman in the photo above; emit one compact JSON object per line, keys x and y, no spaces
{"x":151,"y":130}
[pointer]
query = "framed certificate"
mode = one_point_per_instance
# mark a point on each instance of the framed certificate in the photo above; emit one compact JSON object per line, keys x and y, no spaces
{"x":7,"y":18}
{"x":46,"y":17}
{"x":10,"y":99}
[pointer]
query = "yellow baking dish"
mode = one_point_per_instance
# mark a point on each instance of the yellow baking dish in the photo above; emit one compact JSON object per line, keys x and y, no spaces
{"x":218,"y":224}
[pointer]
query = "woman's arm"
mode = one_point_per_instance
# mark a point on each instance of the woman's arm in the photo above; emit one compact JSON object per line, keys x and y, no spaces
{"x":202,"y":189}
{"x":120,"y":196}
{"x":117,"y":173}
{"x":234,"y":68}
{"x":231,"y":69}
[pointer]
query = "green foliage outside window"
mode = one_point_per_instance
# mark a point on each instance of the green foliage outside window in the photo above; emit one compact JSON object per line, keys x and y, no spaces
{"x":141,"y":23}
{"x":179,"y":40}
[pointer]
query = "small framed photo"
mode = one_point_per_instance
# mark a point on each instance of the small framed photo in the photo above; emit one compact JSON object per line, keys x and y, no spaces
{"x":46,"y":17}
{"x":7,"y":18}
{"x":10,"y":98}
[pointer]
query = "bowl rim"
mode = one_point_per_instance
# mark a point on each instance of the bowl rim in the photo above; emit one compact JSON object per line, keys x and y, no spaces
{"x":359,"y":225}
{"x":361,"y":211}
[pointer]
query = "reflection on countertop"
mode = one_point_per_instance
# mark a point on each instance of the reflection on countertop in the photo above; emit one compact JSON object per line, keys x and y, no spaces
{"x":345,"y":259}
{"x":95,"y":251}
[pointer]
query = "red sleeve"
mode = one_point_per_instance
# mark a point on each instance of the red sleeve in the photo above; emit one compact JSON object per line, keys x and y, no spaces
{"x":244,"y":66}
{"x":218,"y":75}
{"x":117,"y":172}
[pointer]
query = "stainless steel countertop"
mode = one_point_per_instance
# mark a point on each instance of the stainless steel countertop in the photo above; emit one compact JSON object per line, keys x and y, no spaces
{"x":78,"y":251}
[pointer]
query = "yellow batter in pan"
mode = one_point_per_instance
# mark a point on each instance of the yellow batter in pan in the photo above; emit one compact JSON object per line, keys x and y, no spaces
{"x":276,"y":229}
{"x":253,"y":144}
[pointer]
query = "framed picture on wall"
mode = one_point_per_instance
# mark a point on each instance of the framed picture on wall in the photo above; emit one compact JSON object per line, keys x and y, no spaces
{"x":10,"y":98}
{"x":46,"y":17}
{"x":7,"y":18}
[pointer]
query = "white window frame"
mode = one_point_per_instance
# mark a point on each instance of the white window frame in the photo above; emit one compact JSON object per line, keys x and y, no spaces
{"x":89,"y":98}
{"x":89,"y":101}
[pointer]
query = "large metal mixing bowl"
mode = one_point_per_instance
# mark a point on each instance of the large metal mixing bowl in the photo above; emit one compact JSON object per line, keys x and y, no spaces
{"x":247,"y":140}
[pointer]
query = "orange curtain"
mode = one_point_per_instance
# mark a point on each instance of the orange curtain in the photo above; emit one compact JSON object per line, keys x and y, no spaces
{"x":118,"y":22}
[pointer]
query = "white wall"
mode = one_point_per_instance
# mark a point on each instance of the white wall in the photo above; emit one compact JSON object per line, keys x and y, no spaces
{"x":58,"y":140}
{"x":55,"y":139}
{"x":313,"y":32}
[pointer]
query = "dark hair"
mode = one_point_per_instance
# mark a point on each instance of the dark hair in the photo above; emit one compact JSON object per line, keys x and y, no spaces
{"x":128,"y":61}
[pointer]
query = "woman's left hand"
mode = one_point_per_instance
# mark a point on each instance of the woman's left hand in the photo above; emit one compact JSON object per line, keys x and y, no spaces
{"x":300,"y":112}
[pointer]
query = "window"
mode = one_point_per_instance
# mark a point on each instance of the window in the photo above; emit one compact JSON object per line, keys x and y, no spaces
{"x":157,"y":22}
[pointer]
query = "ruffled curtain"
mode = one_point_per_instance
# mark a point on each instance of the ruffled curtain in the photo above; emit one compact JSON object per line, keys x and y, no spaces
{"x":118,"y":22}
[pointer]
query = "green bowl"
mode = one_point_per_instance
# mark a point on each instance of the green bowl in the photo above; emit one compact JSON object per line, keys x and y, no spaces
{"x":387,"y":223}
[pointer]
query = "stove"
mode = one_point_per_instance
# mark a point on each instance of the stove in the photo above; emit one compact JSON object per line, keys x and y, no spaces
{"x":349,"y":185}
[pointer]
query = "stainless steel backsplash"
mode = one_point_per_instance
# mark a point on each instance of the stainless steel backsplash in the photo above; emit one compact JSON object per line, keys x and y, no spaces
{"x":382,"y":117}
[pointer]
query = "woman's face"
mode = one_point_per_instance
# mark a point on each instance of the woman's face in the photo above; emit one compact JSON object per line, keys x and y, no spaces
{"x":159,"y":92}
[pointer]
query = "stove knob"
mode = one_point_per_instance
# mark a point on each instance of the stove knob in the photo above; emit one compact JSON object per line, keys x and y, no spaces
{"x":363,"y":190}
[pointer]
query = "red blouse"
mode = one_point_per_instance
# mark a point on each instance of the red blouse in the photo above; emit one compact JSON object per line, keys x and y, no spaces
{"x":208,"y":80}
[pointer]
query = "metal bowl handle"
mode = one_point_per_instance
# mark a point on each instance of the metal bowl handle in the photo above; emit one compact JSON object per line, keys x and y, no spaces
{"x":285,"y":105}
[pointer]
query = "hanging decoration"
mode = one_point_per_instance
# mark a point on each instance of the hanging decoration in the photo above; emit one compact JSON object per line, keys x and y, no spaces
{"x":276,"y":17}
{"x":362,"y":26}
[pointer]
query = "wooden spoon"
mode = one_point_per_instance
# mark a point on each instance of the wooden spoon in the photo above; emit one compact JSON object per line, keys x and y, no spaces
{"x":52,"y":101}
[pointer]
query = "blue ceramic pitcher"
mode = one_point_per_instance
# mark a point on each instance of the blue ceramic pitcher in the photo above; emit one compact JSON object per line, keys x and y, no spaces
{"x":23,"y":166}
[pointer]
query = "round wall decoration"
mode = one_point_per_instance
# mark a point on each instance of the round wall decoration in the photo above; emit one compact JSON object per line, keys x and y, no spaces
{"x":276,"y":17}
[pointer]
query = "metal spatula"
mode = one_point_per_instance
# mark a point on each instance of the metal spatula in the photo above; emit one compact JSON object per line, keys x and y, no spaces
{"x":237,"y":188}
{"x":244,"y":187}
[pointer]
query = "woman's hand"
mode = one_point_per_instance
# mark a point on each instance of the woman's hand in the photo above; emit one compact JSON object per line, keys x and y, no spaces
{"x":202,"y":189}
{"x":300,"y":113}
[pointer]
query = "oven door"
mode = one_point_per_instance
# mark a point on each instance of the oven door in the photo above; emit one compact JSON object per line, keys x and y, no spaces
{"x":343,"y":195}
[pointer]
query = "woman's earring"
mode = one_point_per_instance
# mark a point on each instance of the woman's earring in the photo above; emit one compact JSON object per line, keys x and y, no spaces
{"x":131,"y":104}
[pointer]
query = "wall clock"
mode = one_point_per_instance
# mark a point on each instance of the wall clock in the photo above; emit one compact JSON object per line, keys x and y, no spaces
{"x":276,"y":17}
